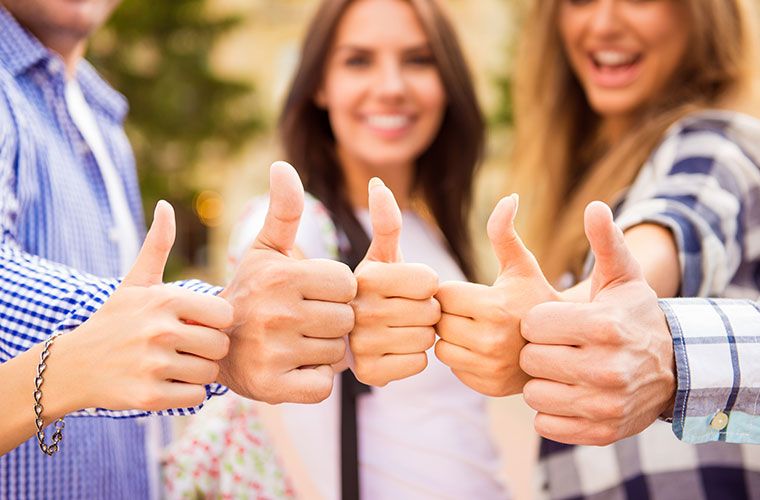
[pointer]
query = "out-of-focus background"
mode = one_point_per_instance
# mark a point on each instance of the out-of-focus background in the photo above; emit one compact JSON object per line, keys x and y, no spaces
{"x":206,"y":80}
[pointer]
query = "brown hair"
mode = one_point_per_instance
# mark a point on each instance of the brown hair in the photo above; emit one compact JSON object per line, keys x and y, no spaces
{"x":444,"y":172}
{"x":560,"y":160}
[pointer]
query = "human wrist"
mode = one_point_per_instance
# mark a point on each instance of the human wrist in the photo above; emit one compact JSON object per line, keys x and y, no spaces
{"x":68,"y":379}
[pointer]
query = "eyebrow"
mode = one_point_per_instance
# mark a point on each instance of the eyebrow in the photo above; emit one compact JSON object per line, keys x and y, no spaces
{"x":359,"y":48}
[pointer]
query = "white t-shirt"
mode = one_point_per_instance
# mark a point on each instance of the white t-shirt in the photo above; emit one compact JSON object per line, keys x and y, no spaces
{"x":123,"y":231}
{"x":424,"y":437}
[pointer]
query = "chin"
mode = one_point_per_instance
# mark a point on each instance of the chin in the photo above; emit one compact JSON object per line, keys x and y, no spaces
{"x":611,"y":105}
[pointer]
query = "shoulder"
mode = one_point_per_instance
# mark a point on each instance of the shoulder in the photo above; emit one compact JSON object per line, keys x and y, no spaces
{"x":714,"y":134}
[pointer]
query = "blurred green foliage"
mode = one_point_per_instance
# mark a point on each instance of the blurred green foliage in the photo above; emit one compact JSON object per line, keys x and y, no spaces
{"x":157,"y":54}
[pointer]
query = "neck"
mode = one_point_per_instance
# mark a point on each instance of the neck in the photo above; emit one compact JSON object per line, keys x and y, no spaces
{"x":615,"y":128}
{"x":397,"y":177}
{"x":70,"y":50}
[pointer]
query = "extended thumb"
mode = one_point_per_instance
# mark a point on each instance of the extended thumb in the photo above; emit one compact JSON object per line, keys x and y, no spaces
{"x":286,"y":202}
{"x":148,"y":268}
{"x":512,"y":254}
{"x":614,"y":262}
{"x":386,"y":224}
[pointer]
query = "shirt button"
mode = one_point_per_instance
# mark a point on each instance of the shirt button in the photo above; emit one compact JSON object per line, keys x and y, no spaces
{"x":113,"y":234}
{"x":719,"y":421}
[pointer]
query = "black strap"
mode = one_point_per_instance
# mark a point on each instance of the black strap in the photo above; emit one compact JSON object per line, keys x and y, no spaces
{"x":350,"y":389}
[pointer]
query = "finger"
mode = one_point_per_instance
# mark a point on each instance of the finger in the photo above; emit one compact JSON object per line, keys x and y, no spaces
{"x":326,"y":319}
{"x":286,"y":201}
{"x":202,"y":309}
{"x":560,"y":323}
{"x":148,"y":268}
{"x":458,"y":358}
{"x":412,"y":281}
{"x":559,"y":363}
{"x":192,"y":370}
{"x":573,"y":430}
{"x":397,"y":312}
{"x":208,"y":343}
{"x":457,"y":330}
{"x":304,"y":385}
{"x":325,"y":280}
{"x":401,"y":340}
{"x":465,"y":299}
{"x":385,"y":217}
{"x":176,"y":395}
{"x":614,"y":262}
{"x":555,"y":398}
{"x":398,"y":367}
{"x":314,"y":352}
{"x":513,"y":256}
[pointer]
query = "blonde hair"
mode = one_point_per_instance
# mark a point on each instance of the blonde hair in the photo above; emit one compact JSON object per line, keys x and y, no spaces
{"x":561,"y":163}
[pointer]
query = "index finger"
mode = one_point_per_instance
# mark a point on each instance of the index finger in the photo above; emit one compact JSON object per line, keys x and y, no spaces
{"x":560,"y":323}
{"x":325,"y":280}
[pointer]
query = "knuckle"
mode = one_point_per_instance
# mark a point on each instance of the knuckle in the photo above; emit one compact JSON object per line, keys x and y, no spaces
{"x":613,"y":409}
{"x":448,"y":293}
{"x":150,"y":399}
{"x":274,"y":275}
{"x":367,"y":312}
{"x":615,"y":374}
{"x":362,"y":344}
{"x":345,"y":319}
{"x":500,"y":313}
{"x":606,"y":435}
{"x":275,"y":318}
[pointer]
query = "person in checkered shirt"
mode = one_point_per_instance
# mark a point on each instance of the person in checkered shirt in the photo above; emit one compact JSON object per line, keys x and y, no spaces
{"x":651,"y":107}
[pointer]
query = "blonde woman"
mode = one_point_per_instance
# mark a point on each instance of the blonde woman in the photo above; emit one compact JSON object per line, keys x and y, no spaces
{"x":648,"y":106}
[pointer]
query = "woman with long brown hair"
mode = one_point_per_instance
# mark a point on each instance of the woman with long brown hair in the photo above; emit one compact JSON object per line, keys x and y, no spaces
{"x":652,"y":107}
{"x":382,"y":90}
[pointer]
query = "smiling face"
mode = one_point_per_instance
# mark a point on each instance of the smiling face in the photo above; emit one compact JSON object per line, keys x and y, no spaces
{"x":381,"y":89}
{"x":625,"y":53}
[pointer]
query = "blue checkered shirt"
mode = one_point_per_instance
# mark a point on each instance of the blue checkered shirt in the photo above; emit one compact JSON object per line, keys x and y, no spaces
{"x":703,"y":184}
{"x":55,"y":217}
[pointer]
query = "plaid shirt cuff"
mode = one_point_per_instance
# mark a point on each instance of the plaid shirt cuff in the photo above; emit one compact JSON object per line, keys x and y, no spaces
{"x":717,"y":352}
{"x":211,"y":389}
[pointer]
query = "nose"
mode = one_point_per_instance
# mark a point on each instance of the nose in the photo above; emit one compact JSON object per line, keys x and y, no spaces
{"x":605,"y":18}
{"x":390,"y":80}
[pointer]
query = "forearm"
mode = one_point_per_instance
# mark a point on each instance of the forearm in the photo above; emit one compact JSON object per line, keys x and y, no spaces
{"x":63,"y":389}
{"x":655,"y":250}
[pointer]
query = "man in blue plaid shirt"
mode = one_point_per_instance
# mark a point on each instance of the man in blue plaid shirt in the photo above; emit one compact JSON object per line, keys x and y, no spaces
{"x":71,"y":220}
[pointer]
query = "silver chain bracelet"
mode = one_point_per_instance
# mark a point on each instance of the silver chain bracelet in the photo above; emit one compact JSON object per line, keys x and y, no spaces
{"x":53,"y":448}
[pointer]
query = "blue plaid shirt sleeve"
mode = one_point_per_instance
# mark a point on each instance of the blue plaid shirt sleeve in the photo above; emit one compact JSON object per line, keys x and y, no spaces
{"x":717,"y":350}
{"x":699,"y":185}
{"x":39,"y":298}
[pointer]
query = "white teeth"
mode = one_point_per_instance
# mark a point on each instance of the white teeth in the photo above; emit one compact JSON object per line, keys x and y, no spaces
{"x":388,"y":122}
{"x":613,"y":58}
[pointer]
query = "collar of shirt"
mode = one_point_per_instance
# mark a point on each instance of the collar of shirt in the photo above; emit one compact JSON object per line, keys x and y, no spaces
{"x":20,"y":51}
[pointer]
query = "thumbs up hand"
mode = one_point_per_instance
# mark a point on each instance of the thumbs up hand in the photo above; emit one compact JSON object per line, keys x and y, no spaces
{"x":394,"y":307}
{"x":603,"y":370}
{"x":290,"y":315}
{"x":480,"y":325}
{"x":150,"y":346}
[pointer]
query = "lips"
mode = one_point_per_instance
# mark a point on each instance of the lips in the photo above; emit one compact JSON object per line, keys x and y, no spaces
{"x":614,"y":68}
{"x":388,"y":122}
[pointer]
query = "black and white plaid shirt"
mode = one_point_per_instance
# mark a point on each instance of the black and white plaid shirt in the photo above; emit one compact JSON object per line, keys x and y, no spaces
{"x":703,"y":184}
